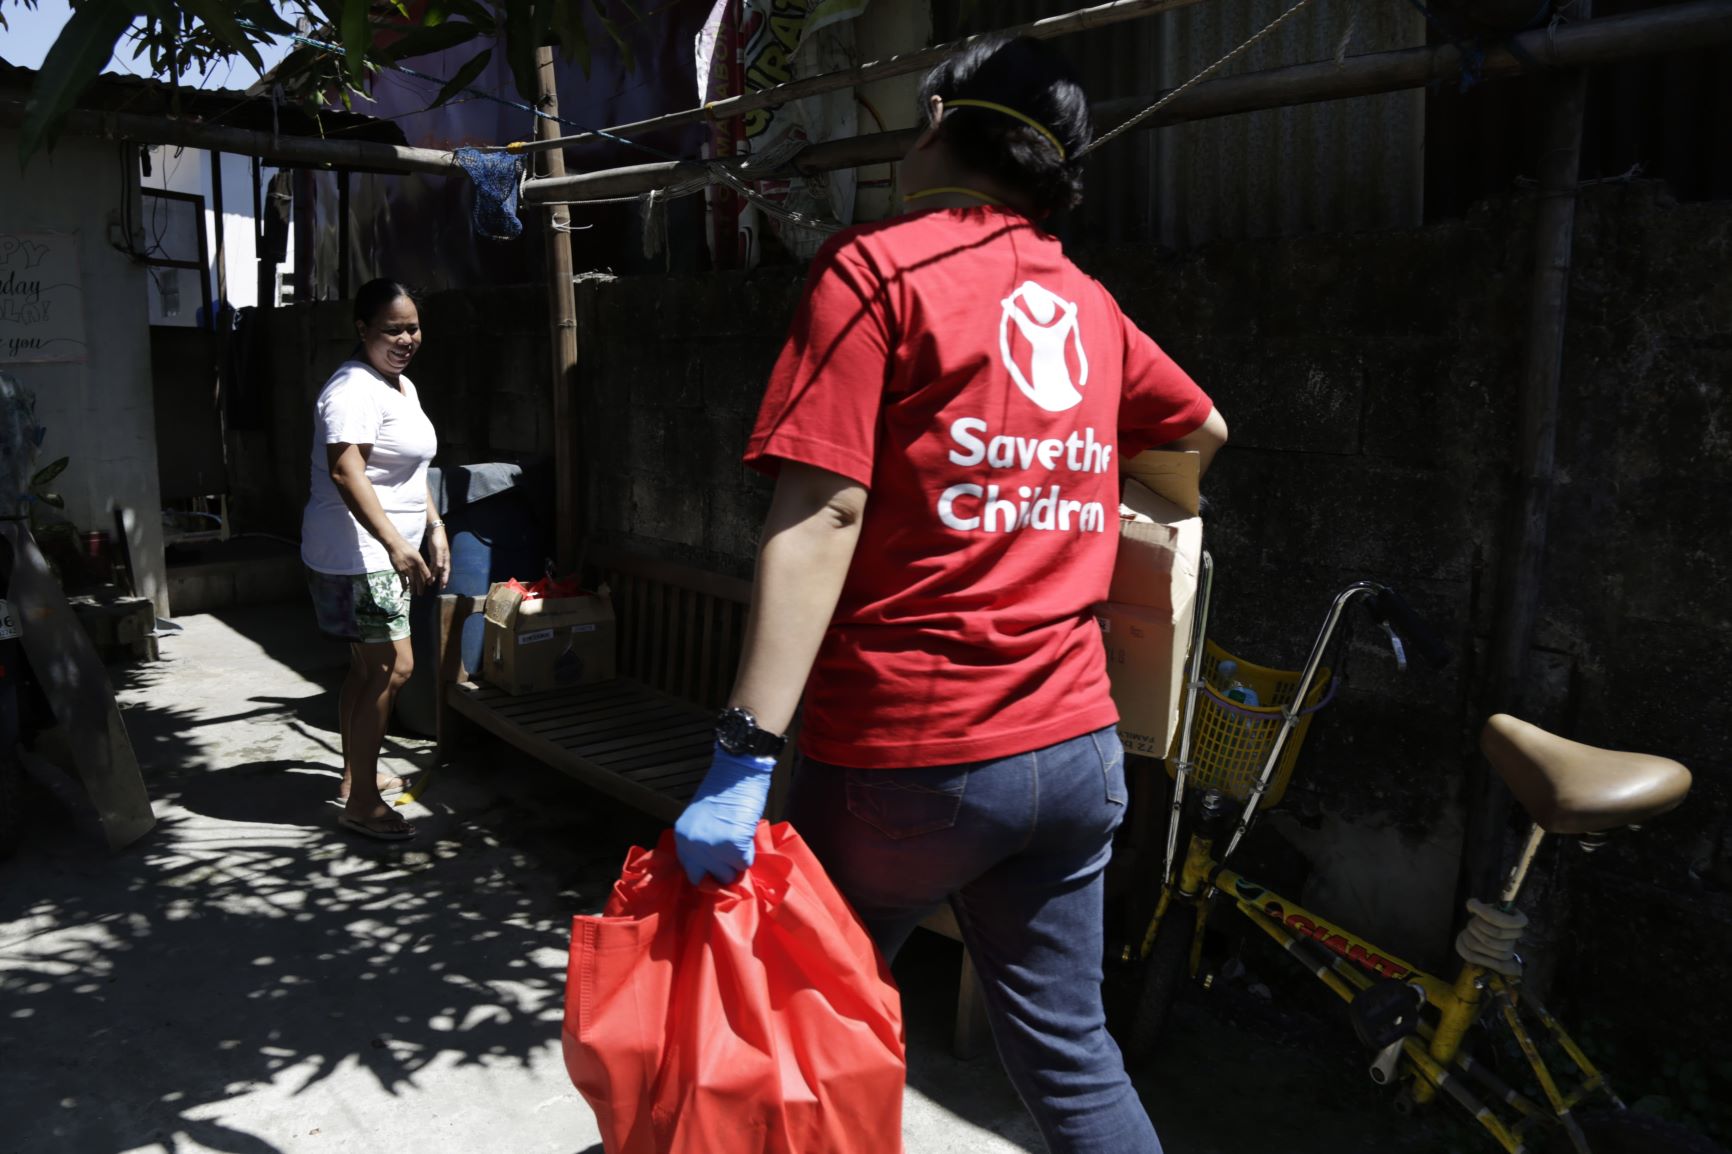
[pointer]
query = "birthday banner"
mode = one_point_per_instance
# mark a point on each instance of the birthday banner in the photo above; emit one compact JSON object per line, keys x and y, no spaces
{"x":41,"y":298}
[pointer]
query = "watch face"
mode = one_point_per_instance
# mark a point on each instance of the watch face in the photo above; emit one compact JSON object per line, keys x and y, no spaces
{"x":734,"y":729}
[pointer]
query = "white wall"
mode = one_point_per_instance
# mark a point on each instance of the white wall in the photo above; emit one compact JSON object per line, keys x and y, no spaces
{"x":189,"y":170}
{"x":99,"y":412}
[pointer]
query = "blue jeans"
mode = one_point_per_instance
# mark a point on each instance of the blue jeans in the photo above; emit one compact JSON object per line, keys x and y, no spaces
{"x":1019,"y":847}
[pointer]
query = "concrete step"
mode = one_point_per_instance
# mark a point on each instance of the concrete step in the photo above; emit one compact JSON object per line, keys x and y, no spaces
{"x":214,"y":575}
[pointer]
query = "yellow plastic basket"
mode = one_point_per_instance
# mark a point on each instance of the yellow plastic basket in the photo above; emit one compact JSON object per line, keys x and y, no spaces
{"x":1232,"y":741}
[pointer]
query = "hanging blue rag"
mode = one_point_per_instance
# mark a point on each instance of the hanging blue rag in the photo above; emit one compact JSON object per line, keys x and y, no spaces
{"x":497,"y":176}
{"x":1472,"y":46}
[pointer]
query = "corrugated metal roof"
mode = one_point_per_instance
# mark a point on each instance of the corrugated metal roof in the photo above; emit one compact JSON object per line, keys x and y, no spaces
{"x":1347,"y":164}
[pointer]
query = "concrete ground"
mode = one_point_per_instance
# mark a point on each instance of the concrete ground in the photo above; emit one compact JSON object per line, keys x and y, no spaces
{"x":249,"y":981}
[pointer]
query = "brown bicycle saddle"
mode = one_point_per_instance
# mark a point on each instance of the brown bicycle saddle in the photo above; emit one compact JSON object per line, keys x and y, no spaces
{"x":1573,"y":789}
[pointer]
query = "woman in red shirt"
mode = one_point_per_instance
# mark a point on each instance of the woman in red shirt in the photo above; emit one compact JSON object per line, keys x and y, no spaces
{"x":945,"y":425}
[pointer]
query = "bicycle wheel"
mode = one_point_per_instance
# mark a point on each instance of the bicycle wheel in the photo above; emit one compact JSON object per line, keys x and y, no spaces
{"x":1161,"y":977}
{"x":1628,"y":1132}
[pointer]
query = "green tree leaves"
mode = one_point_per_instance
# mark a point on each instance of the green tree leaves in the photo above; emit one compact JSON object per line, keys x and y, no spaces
{"x":182,"y":36}
{"x":78,"y":54}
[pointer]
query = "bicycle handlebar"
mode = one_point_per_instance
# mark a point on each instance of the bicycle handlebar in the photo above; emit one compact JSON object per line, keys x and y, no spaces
{"x":1392,"y":611}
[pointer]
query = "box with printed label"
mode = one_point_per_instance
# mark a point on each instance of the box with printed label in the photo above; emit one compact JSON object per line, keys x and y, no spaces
{"x":1146,"y":622}
{"x":546,"y":643}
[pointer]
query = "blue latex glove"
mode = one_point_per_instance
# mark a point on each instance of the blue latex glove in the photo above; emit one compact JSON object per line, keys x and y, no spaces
{"x":714,"y":835}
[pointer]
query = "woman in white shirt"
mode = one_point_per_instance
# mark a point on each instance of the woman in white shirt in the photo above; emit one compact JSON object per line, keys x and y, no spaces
{"x":367,"y":521}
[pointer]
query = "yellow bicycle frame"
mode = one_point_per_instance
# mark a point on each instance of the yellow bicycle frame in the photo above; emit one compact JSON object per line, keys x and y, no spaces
{"x":1434,"y":1057}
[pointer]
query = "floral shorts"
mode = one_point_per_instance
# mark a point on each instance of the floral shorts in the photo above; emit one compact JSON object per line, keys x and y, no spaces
{"x":371,"y":608}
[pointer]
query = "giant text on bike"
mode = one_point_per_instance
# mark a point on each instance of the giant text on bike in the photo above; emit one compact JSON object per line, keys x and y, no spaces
{"x":1335,"y":941}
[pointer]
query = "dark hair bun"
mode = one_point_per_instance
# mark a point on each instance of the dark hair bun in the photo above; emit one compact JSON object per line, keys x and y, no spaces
{"x":1031,"y":78}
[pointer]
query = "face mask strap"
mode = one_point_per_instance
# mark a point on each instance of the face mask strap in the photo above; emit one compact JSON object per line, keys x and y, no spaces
{"x":1006,"y":110}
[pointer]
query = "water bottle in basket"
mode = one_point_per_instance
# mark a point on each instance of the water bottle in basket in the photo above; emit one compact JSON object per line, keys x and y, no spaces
{"x":1238,"y":721}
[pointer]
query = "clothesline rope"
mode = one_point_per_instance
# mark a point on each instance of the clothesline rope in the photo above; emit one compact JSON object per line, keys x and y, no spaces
{"x":472,"y":164}
{"x":739,"y":180}
{"x":736,"y":179}
{"x":1266,"y":30}
{"x":918,"y":60}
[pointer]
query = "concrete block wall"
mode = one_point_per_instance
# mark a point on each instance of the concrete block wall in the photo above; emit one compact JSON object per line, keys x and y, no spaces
{"x":244,"y":580}
{"x":482,"y":375}
{"x":1371,"y":382}
{"x":670,"y":373}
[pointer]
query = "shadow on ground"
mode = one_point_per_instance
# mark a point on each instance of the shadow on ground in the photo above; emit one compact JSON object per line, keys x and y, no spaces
{"x":246,"y":980}
{"x":244,"y":943}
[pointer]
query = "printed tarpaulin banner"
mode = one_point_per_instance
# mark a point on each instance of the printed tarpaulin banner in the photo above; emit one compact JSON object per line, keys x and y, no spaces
{"x":778,"y":41}
{"x":751,"y":1018}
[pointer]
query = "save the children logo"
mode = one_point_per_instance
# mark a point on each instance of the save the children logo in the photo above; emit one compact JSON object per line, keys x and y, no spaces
{"x":1038,"y":337}
{"x":1017,"y":482}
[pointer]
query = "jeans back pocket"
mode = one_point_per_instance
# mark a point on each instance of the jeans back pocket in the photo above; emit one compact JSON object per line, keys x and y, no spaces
{"x":903,"y":803}
{"x":1112,"y":755}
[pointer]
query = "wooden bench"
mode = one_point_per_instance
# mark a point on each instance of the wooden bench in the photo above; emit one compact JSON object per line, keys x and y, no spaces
{"x":645,"y":737}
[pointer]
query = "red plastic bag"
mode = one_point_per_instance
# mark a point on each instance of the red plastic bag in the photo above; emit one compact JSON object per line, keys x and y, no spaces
{"x":753,"y":1018}
{"x":548,"y":587}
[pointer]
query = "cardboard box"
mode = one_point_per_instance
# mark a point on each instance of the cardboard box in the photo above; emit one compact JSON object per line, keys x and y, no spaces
{"x":1146,"y":623}
{"x":547,"y":643}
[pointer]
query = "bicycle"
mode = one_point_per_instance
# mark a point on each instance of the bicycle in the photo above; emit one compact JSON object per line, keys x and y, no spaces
{"x":1421,"y":1028}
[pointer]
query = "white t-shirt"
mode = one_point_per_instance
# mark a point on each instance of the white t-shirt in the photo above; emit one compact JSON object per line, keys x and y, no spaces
{"x":357,"y":406}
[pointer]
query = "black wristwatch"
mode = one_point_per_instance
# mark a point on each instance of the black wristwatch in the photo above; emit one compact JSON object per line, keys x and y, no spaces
{"x":737,"y":732}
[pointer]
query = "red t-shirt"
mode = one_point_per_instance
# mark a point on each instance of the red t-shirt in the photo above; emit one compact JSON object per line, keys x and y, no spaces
{"x":983,"y":389}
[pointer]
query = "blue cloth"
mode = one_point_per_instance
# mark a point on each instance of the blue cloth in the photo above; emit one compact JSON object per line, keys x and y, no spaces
{"x":497,"y":177}
{"x":1019,"y":847}
{"x":714,"y":835}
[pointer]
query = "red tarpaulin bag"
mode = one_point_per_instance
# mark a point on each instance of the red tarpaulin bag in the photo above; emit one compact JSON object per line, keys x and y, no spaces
{"x":752,"y":1018}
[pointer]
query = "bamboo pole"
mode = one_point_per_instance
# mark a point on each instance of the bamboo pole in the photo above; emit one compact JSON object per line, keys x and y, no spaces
{"x":284,"y":151}
{"x":1675,"y":28}
{"x":1522,"y":563}
{"x":637,"y":179}
{"x":1099,"y":16}
{"x":562,"y":320}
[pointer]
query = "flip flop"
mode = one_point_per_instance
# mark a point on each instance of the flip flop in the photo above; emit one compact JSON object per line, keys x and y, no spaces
{"x":393,"y":833}
{"x":388,"y":783}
